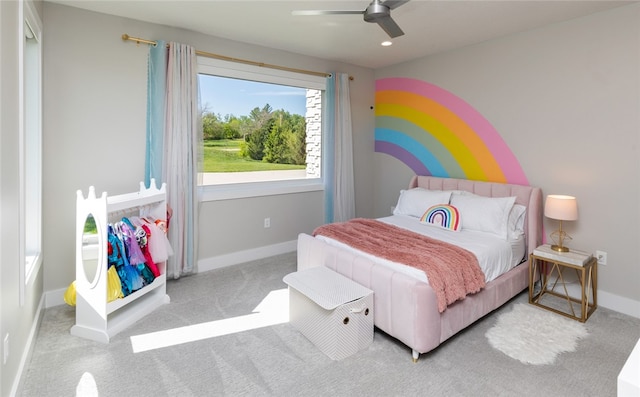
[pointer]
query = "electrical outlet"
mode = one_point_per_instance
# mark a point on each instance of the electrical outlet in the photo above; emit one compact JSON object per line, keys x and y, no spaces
{"x":5,"y":348}
{"x":602,"y":257}
{"x":267,"y":223}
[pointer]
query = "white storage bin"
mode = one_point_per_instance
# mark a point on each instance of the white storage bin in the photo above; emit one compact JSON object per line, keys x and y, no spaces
{"x":629,"y":376}
{"x":332,"y":311}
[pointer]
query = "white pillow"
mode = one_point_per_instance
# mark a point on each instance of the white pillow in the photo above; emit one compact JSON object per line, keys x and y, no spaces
{"x":516,"y":221}
{"x":414,"y":202}
{"x":484,"y":214}
{"x":516,"y":216}
{"x":463,"y":193}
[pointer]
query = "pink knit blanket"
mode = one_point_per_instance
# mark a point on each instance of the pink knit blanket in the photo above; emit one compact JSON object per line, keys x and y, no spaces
{"x":453,"y":272}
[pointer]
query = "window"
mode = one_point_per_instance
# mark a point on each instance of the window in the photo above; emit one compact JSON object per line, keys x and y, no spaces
{"x":30,"y":143}
{"x":262,"y":130}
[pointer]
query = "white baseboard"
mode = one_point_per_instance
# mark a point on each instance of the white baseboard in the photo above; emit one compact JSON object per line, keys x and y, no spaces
{"x":605,"y":299}
{"x":16,"y":387}
{"x":236,"y":258}
{"x":54,"y":298}
{"x":619,"y":304}
{"x":608,"y":300}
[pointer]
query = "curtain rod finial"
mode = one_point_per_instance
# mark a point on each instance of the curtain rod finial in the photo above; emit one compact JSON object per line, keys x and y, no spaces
{"x":125,"y":36}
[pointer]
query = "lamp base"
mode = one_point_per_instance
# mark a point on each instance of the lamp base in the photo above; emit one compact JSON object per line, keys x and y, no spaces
{"x":559,"y":248}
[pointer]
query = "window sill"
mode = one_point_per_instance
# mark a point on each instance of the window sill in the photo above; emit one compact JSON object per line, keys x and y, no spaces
{"x":32,"y":266}
{"x":257,"y":189}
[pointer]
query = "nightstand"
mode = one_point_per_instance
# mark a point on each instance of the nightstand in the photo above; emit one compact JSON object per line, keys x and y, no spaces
{"x":548,"y":267}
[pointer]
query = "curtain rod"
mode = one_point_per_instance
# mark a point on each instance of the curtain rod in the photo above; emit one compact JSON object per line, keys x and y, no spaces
{"x":237,"y":60}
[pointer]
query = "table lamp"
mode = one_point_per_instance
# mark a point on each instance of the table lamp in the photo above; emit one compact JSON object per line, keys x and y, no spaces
{"x":562,"y":208}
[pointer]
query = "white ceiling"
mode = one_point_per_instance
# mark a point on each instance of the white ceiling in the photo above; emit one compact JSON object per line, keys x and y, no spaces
{"x":430,"y":26}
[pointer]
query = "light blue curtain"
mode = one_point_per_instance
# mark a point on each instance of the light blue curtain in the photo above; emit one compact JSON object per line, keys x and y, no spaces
{"x":156,"y":87}
{"x":338,"y":158}
{"x":328,"y":157}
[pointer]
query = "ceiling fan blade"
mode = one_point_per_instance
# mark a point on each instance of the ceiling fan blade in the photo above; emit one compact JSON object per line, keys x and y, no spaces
{"x":394,"y":3}
{"x":325,"y":12}
{"x":390,"y":26}
{"x":378,"y":11}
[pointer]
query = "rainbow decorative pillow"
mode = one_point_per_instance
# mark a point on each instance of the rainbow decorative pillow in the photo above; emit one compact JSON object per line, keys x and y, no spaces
{"x":444,"y":216}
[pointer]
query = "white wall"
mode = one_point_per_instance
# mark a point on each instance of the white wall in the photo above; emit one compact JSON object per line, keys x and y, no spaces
{"x":566,"y":99}
{"x":17,"y":320}
{"x":94,"y":126}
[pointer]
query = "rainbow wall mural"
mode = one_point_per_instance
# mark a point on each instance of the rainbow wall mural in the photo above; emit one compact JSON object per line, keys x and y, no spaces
{"x":436,"y":133}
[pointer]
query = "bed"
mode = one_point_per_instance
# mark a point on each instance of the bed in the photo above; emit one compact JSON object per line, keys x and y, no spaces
{"x":405,"y":305}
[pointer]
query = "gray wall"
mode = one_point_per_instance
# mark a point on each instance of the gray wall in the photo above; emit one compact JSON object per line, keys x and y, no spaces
{"x":95,"y":96}
{"x":566,"y":99}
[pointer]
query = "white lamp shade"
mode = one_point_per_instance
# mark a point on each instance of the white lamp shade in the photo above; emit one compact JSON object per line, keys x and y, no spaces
{"x":564,"y":208}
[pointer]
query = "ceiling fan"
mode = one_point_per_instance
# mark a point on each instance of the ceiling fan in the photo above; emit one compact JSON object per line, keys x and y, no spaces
{"x":378,"y":12}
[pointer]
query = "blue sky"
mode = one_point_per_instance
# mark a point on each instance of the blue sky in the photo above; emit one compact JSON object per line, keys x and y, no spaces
{"x":238,"y":97}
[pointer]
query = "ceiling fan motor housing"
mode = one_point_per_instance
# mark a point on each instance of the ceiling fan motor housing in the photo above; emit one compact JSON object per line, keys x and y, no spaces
{"x":376,"y":11}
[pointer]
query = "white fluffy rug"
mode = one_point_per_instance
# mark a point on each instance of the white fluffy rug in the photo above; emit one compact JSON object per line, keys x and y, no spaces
{"x":533,"y":335}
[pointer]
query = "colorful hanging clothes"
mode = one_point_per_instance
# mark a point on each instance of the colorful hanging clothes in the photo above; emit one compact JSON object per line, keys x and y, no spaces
{"x":116,"y":259}
{"x":159,"y":246}
{"x":143,"y":236}
{"x":129,"y":276}
{"x":135,"y":246}
{"x":134,"y":252}
{"x":128,"y":236}
{"x":144,"y":246}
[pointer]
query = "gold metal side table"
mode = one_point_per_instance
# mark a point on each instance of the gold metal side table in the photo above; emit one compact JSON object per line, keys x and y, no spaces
{"x":548,"y":266}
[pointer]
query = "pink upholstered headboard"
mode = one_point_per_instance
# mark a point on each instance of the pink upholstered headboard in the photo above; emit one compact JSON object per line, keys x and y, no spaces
{"x":530,"y":197}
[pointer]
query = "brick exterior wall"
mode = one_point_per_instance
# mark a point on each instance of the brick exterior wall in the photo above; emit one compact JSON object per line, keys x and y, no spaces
{"x":314,"y":133}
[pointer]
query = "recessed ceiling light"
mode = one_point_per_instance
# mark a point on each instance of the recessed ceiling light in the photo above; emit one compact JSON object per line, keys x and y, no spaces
{"x":386,"y":43}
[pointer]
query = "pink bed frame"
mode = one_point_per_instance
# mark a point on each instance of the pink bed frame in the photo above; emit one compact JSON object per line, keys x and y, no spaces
{"x":406,"y":308}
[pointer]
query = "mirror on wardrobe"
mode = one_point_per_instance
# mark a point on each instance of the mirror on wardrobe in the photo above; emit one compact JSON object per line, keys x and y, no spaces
{"x":90,"y":249}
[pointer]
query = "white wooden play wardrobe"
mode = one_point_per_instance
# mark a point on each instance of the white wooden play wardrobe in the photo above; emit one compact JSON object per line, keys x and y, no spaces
{"x":97,"y":319}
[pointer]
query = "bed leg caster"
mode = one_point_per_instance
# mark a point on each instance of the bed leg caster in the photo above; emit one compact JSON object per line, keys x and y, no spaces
{"x":415,"y":355}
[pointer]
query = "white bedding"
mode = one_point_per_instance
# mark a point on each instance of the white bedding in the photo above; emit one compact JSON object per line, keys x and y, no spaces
{"x":495,"y":255}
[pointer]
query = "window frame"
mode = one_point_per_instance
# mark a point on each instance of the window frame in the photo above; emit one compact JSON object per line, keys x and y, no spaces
{"x":228,"y":69}
{"x":30,"y":146}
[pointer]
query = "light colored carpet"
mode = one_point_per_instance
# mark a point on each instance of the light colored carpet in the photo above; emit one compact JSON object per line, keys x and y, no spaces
{"x":276,"y":360}
{"x":533,"y":335}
